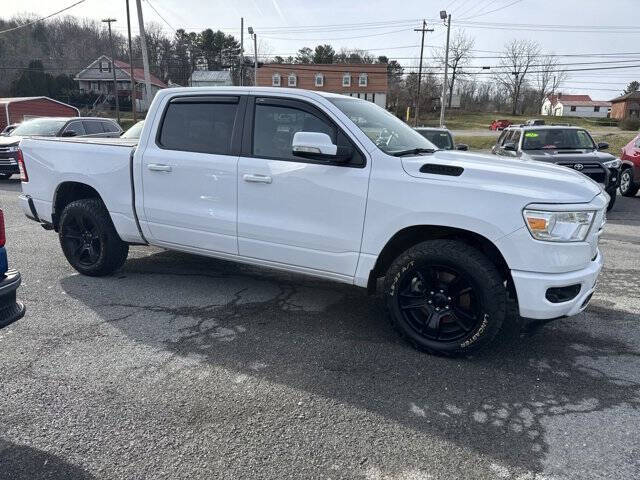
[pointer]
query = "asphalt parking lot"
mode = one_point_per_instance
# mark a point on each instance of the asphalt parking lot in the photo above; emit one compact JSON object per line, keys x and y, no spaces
{"x":186,"y":367}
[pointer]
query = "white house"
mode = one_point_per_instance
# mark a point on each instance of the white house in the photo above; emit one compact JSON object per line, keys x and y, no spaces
{"x":575,"y":106}
{"x":210,"y":78}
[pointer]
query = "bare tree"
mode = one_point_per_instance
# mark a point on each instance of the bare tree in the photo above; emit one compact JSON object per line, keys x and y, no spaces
{"x":548,"y":78}
{"x":519,"y":56}
{"x":460,"y":56}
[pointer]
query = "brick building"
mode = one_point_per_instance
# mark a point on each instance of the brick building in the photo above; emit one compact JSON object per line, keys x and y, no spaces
{"x":626,"y":106}
{"x":361,"y":80}
{"x":18,"y":109}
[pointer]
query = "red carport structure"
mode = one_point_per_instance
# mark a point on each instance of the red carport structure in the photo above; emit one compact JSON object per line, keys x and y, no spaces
{"x":18,"y":109}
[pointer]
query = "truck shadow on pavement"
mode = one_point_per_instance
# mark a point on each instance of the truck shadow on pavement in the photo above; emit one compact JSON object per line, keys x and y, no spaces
{"x":20,"y":462}
{"x":334,"y":341}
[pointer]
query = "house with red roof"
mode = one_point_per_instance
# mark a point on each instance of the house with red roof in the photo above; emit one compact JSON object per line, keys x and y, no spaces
{"x":562,"y":105}
{"x":97,"y":77}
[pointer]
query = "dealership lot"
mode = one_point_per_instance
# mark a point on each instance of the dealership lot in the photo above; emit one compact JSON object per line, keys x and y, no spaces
{"x":186,"y":367}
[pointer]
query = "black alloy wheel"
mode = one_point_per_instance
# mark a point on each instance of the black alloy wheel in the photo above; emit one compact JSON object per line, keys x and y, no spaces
{"x":81,"y":239}
{"x":439,"y":303}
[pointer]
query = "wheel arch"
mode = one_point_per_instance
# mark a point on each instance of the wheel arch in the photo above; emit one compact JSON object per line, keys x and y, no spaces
{"x":68,"y":192}
{"x":412,"y":235}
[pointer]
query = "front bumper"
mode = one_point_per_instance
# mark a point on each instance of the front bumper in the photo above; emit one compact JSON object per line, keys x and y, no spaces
{"x":10,"y":309}
{"x":532,"y":287}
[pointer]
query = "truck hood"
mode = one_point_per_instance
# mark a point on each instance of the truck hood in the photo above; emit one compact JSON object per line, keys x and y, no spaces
{"x":568,"y":156}
{"x":532,"y":181}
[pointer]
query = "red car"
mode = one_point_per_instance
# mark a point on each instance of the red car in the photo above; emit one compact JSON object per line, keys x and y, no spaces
{"x":630,"y":176}
{"x":499,"y":124}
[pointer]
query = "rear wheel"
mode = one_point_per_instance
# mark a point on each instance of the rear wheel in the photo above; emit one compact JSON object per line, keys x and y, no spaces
{"x":445,"y":297}
{"x":89,"y":240}
{"x":628,"y":188}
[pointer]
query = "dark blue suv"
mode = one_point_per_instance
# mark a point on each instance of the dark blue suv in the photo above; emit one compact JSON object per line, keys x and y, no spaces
{"x":10,"y":309}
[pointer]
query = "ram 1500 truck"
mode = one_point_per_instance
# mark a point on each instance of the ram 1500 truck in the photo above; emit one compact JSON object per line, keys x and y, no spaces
{"x":333,"y":187}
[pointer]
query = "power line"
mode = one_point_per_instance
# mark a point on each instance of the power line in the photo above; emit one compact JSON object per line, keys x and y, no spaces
{"x":495,"y":10}
{"x":42,"y":18}
{"x":158,"y":13}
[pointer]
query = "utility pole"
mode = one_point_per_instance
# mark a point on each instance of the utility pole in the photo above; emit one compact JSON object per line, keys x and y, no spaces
{"x":241,"y":50}
{"x":255,"y":56}
{"x":145,"y":57}
{"x":447,"y":20}
{"x":133,"y":80}
{"x":424,"y":29}
{"x":113,"y":67}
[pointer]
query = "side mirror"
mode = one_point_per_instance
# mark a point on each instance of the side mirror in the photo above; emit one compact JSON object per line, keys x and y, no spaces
{"x":314,"y":145}
{"x":510,"y":147}
{"x":462,"y":146}
{"x":603,"y":146}
{"x":69,"y":133}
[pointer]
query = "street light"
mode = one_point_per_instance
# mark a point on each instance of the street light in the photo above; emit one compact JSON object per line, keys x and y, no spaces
{"x":255,"y":56}
{"x":446,"y":18}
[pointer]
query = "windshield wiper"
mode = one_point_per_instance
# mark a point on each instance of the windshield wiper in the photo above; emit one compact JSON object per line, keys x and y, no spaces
{"x":412,"y":151}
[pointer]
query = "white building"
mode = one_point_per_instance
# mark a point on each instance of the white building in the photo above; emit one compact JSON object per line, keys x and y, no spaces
{"x":575,"y":106}
{"x":209,"y":78}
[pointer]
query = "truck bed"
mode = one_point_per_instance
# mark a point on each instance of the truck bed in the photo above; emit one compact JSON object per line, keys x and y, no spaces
{"x":104,"y":164}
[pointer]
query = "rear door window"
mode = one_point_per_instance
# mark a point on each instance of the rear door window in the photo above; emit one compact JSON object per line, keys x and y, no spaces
{"x":110,"y":127}
{"x":93,"y":127}
{"x":199,"y":126}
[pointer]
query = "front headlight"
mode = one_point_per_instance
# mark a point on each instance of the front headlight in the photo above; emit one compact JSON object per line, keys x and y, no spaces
{"x":615,"y":163}
{"x":558,"y":226}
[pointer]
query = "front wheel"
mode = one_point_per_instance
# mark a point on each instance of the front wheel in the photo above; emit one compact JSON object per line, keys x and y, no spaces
{"x":89,"y":240}
{"x":628,"y":188}
{"x":445,"y":297}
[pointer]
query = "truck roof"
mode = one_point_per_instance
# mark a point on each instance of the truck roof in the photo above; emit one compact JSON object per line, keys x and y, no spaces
{"x":543,"y":127}
{"x":251,"y":89}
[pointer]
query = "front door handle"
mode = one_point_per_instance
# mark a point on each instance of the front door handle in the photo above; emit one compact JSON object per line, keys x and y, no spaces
{"x":159,"y":167}
{"x":257,"y":178}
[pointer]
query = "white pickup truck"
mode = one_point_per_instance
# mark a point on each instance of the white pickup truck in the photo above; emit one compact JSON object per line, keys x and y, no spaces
{"x":334,"y":187}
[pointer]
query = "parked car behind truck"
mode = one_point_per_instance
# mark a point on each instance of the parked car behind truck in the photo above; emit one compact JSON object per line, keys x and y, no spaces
{"x":334,"y":187}
{"x":51,"y":127}
{"x":441,"y":138}
{"x":630,"y":176}
{"x":10,"y":308}
{"x":570,"y":147}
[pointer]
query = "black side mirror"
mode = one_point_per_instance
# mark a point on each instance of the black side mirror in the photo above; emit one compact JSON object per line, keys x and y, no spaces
{"x":510,"y":147}
{"x":603,"y":146}
{"x":69,"y":133}
{"x":462,"y":146}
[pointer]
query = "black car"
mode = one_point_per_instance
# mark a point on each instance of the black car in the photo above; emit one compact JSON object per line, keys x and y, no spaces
{"x":441,"y":138}
{"x":571,"y":147}
{"x":51,"y":127}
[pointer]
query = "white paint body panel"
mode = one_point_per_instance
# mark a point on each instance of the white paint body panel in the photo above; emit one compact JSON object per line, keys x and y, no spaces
{"x":324,"y":220}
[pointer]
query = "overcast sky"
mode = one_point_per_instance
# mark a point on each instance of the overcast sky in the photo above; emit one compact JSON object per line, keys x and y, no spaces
{"x":603,"y":25}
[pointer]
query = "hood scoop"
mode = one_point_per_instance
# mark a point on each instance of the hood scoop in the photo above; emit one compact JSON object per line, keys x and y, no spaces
{"x":436,"y":169}
{"x":569,"y":152}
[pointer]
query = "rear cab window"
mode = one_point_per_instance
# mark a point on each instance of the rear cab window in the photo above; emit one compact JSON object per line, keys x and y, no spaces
{"x":93,"y":127}
{"x":75,"y":126}
{"x":110,"y":127}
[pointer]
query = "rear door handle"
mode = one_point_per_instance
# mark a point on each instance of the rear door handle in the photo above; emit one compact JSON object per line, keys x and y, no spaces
{"x":256,"y":178}
{"x":159,"y":167}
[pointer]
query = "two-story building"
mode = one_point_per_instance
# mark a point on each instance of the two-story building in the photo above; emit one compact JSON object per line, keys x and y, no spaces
{"x":361,"y":80}
{"x":97,"y":77}
{"x":562,"y":105}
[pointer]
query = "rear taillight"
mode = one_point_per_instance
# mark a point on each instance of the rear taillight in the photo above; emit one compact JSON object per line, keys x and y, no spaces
{"x":24,"y":176}
{"x":3,"y":238}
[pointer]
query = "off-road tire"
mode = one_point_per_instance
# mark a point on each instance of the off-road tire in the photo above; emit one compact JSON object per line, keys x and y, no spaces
{"x":112,"y":250}
{"x":486,"y":281}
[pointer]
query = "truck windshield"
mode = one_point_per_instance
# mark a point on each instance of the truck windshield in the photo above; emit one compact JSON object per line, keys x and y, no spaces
{"x":557,"y":139}
{"x":440,"y":139}
{"x":390,"y":134}
{"x":46,"y":127}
